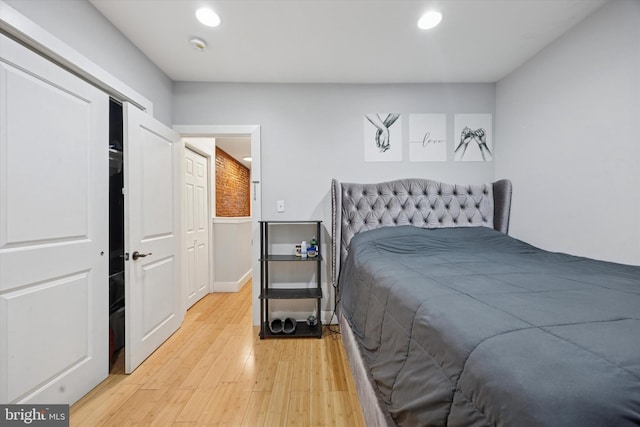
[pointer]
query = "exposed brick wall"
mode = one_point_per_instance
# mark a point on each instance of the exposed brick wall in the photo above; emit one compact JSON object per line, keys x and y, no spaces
{"x":233,"y":182}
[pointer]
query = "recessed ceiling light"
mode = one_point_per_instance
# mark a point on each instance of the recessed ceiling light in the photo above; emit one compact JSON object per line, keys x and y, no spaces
{"x":208,"y":17}
{"x":246,"y":159}
{"x":429,"y":20}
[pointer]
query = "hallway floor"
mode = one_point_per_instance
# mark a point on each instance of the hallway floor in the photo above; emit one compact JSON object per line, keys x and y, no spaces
{"x":216,"y":371}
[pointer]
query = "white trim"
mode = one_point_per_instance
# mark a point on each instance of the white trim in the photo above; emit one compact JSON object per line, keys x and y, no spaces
{"x":207,"y":149}
{"x":28,"y":32}
{"x":217,"y":130}
{"x":231,"y":220}
{"x":233,"y":286}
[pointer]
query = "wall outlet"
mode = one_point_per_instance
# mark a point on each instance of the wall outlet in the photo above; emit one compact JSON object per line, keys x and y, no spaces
{"x":280,"y":206}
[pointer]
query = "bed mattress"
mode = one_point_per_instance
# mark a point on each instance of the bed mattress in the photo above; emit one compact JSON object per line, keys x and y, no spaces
{"x":468,"y":326}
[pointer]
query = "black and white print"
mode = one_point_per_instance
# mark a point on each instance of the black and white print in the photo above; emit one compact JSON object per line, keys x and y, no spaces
{"x":428,"y":137}
{"x":473,"y":138}
{"x":382,"y":137}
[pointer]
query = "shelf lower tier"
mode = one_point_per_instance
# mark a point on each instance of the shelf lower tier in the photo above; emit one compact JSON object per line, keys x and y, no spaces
{"x":293,"y":258}
{"x":302,"y":331}
{"x":295,"y":293}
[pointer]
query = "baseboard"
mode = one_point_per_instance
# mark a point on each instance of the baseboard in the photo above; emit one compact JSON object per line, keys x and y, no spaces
{"x":233,"y":286}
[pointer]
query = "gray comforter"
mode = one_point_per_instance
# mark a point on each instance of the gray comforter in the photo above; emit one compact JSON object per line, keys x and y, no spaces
{"x":467,"y":326}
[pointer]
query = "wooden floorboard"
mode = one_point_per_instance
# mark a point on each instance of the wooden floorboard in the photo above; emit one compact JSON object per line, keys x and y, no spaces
{"x":215,"y":371}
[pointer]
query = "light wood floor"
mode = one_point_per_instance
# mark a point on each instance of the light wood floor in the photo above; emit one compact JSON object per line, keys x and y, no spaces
{"x":216,"y":371}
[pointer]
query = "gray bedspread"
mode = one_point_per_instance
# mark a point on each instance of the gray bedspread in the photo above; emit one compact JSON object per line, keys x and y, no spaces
{"x":467,"y":326}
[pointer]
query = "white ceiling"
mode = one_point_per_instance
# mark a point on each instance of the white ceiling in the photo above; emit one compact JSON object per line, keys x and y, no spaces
{"x":344,"y":41}
{"x":237,"y":147}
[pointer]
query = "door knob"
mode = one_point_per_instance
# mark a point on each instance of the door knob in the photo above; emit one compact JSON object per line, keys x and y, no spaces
{"x":137,"y":255}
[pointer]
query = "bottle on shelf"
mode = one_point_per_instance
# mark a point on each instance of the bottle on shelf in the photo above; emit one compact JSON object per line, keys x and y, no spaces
{"x":312,"y":250}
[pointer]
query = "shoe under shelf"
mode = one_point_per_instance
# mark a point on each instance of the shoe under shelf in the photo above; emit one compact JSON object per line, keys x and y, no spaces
{"x":302,"y":331}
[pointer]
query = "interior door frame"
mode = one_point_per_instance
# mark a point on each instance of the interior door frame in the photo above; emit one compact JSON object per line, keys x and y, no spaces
{"x":253,"y":131}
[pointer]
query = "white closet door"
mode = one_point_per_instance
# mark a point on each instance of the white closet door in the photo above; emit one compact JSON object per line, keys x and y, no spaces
{"x":153,"y":181}
{"x":54,"y":338}
{"x":197,"y":227}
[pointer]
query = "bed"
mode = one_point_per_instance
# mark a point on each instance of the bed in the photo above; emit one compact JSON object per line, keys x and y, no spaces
{"x":447,"y":320}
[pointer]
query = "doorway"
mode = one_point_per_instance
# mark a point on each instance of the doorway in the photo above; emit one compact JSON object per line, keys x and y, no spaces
{"x":144,"y":242}
{"x":189,"y":132}
{"x":116,"y":232}
{"x":228,"y":211}
{"x":64,"y":291}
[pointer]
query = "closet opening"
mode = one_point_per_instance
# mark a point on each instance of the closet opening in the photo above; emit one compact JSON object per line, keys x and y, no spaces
{"x":116,"y":233}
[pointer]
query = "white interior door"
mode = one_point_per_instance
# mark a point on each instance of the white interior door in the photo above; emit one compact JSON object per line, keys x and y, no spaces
{"x":196,"y":227}
{"x":54,"y":187}
{"x":152,"y":180}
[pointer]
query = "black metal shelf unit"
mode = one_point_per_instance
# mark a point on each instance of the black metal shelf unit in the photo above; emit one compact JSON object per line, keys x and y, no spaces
{"x":268,"y":292}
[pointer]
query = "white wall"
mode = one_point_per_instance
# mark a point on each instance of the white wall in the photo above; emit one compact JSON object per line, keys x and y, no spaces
{"x":78,"y":24}
{"x":312,"y":133}
{"x":568,"y":131}
{"x":232,"y":249}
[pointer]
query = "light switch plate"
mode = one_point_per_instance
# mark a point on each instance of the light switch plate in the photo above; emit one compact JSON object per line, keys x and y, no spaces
{"x":280,"y":205}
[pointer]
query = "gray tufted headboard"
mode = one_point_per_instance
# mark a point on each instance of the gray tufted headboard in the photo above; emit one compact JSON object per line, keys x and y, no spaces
{"x":419,"y":202}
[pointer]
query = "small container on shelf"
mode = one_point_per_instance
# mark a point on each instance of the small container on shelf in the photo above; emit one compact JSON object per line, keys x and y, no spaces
{"x":312,"y":322}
